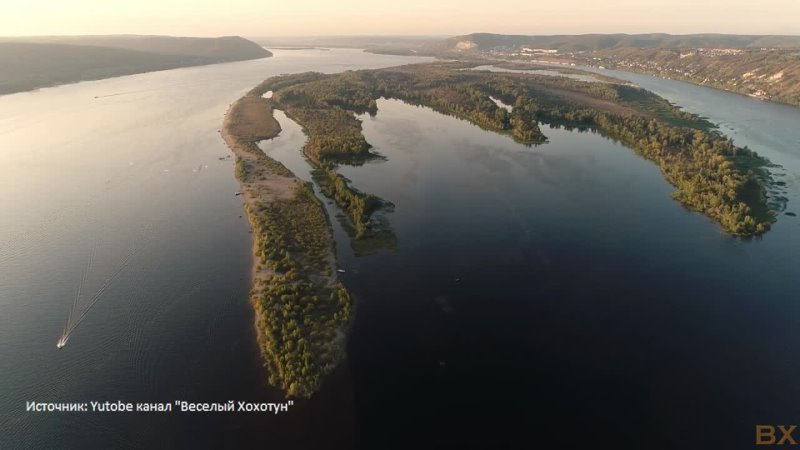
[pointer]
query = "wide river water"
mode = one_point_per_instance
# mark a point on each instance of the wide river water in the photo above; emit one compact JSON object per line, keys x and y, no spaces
{"x":552,"y":294}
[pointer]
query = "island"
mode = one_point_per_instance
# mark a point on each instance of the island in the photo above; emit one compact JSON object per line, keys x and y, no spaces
{"x":711,"y":174}
{"x":303,"y":312}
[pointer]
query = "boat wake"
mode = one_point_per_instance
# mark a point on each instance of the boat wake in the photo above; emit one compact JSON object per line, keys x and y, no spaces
{"x":80,"y":308}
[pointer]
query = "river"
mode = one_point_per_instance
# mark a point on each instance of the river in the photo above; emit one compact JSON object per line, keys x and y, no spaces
{"x":542,"y":294}
{"x":129,"y":168}
{"x":769,"y":128}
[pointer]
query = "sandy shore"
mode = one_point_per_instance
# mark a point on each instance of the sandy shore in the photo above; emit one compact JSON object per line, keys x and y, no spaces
{"x":248,"y":121}
{"x":263,"y":181}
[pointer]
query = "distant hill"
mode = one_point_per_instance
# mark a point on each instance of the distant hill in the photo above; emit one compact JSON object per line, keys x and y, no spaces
{"x":766,"y":67}
{"x":481,"y":42}
{"x":30,"y":63}
{"x":767,"y":74}
{"x":366,"y":41}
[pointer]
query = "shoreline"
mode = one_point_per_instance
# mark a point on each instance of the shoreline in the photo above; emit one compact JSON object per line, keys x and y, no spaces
{"x":41,"y":63}
{"x":239,"y":144}
{"x":293,"y":261}
{"x":40,"y":87}
{"x":691,"y":81}
{"x":583,"y":66}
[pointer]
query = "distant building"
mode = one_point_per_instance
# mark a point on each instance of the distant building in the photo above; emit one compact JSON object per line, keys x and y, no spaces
{"x":539,"y":51}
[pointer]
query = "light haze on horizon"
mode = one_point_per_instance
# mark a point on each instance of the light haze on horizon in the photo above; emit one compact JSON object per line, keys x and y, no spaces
{"x":255,"y":18}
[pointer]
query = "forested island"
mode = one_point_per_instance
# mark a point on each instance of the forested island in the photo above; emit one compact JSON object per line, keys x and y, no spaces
{"x":711,"y":174}
{"x":303,"y":312}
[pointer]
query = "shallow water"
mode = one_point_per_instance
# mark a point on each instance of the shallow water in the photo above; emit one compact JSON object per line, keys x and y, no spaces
{"x":550,"y":73}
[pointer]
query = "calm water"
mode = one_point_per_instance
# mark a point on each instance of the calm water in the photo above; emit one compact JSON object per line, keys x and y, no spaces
{"x":551,"y":73}
{"x":129,"y":168}
{"x":769,"y":128}
{"x":551,"y":294}
{"x":539,"y":292}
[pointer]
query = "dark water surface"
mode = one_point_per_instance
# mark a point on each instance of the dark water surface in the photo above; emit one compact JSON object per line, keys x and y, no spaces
{"x":128,"y":168}
{"x":540,"y":297}
{"x":556,"y":294}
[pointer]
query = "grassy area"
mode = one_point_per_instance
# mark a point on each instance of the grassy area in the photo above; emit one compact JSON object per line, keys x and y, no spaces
{"x":658,"y":107}
{"x":369,"y":231}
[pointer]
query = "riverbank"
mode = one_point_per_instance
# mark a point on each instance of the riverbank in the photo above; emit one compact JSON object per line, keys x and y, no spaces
{"x":38,"y":62}
{"x":334,"y":136}
{"x":301,"y":310}
{"x":765,"y":74}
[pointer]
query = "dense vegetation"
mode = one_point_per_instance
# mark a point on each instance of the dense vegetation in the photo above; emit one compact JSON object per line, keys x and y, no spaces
{"x":302,"y":311}
{"x":325,"y":107}
{"x":360,"y":206}
{"x":300,"y":314}
{"x":711,"y":175}
{"x":332,"y":134}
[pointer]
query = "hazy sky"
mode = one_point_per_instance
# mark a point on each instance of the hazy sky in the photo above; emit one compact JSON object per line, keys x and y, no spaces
{"x":351,"y":17}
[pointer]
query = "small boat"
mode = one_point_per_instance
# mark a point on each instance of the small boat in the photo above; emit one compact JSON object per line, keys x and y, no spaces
{"x":61,"y":342}
{"x":340,"y":270}
{"x":237,"y":193}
